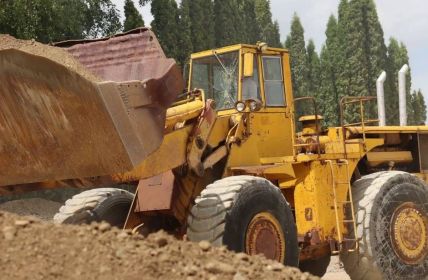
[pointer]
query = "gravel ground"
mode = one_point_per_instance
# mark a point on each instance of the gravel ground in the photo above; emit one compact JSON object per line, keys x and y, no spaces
{"x":38,"y":207}
{"x":46,"y":209}
{"x":335,"y":271}
{"x":39,"y":250}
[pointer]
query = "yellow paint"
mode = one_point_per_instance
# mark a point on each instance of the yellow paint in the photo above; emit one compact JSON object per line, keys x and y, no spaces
{"x":263,"y":143}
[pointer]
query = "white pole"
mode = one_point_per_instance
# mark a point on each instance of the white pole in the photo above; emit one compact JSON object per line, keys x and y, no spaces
{"x":381,"y":98}
{"x":402,"y":94}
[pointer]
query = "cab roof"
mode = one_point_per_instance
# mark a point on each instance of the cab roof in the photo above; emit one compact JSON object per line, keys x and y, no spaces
{"x":235,"y":48}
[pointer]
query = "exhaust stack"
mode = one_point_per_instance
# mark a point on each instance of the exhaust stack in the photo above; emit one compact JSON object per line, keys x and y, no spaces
{"x":402,"y":94}
{"x":381,"y":98}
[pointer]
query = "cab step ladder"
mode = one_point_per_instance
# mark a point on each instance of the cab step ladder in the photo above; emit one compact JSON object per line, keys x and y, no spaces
{"x":349,"y":222}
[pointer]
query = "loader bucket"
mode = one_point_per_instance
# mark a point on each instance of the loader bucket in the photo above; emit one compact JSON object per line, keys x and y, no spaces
{"x":57,"y":125}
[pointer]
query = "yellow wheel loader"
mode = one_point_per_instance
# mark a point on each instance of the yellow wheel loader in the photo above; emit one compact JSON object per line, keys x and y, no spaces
{"x":226,"y":160}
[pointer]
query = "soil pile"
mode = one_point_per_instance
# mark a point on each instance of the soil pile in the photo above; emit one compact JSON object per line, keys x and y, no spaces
{"x":39,"y":250}
{"x":38,"y":207}
{"x":53,"y":53}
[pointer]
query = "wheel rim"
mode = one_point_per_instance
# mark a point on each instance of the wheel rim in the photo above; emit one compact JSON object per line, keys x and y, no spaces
{"x":409,"y":229}
{"x":265,"y":236}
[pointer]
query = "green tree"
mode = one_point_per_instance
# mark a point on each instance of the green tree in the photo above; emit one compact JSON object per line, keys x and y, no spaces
{"x":314,"y":69}
{"x":269,"y":32}
{"x":299,"y":61}
{"x":251,"y":30}
{"x":276,"y":37}
{"x":341,"y":52}
{"x":102,"y":18}
{"x":56,"y":20}
{"x":202,"y":24}
{"x":133,"y":18}
{"x":185,"y":38}
{"x":287,"y":43}
{"x":329,"y":92}
{"x":423,"y":108}
{"x":397,"y":57}
{"x":365,"y":51}
{"x":227,"y":22}
{"x":165,"y":25}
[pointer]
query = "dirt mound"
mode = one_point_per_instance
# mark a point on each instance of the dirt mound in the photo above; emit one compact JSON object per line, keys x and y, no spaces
{"x":53,"y":53}
{"x":39,"y":207}
{"x":39,"y":250}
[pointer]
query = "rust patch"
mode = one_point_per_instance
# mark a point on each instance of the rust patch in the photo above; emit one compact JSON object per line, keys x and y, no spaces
{"x":155,"y":193}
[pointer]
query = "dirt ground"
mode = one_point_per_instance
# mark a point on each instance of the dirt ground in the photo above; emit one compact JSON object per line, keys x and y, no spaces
{"x":35,"y":249}
{"x":335,"y":271}
{"x":76,"y":249}
{"x":38,"y":207}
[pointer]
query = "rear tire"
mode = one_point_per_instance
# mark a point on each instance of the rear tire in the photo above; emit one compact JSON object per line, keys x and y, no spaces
{"x":316,"y":267}
{"x":245,"y":213}
{"x":107,"y":204}
{"x":392,"y":224}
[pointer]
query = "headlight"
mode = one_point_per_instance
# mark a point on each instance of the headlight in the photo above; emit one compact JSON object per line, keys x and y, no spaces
{"x":240,"y":106}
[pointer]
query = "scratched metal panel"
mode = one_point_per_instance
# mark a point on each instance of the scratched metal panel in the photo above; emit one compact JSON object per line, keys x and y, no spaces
{"x":136,"y":55}
{"x":57,"y":125}
{"x":53,"y":123}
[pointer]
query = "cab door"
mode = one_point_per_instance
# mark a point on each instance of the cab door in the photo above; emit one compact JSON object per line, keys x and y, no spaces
{"x":273,"y":123}
{"x":270,"y":129}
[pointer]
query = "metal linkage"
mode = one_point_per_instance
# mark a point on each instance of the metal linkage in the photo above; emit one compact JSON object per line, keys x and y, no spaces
{"x":315,"y":107}
{"x":352,"y":100}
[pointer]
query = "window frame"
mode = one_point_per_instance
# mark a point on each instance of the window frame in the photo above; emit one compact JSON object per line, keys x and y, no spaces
{"x":238,"y":74}
{"x":284,"y":105}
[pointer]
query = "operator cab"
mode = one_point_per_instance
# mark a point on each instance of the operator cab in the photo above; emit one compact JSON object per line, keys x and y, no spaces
{"x":252,"y":76}
{"x":253,"y":83}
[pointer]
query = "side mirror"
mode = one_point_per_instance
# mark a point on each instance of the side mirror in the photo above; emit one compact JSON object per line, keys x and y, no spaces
{"x":248,"y":64}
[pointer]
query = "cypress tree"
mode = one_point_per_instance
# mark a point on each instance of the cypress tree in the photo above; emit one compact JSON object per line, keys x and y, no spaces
{"x":365,"y":51}
{"x":422,"y":117}
{"x":185,"y":38}
{"x":314,"y":69}
{"x":250,"y":26}
{"x":133,"y":18}
{"x":397,"y":57}
{"x":329,"y":92}
{"x":227,"y":22}
{"x":418,"y":110}
{"x":299,"y":63}
{"x":264,"y":21}
{"x":202,"y":24}
{"x":342,"y":52}
{"x":165,"y":25}
{"x":276,"y":37}
{"x":287,"y":43}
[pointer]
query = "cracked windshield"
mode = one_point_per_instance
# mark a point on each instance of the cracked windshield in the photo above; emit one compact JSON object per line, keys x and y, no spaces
{"x":217,"y":75}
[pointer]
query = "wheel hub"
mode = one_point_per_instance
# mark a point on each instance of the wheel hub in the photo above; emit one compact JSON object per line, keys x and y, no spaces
{"x":265,"y":236}
{"x":409,"y":229}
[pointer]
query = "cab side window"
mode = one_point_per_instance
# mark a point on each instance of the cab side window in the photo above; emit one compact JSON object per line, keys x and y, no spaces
{"x":273,"y":81}
{"x":251,"y":85}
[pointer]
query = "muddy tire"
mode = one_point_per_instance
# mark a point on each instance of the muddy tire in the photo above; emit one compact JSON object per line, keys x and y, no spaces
{"x":241,"y":213}
{"x":391,"y":209}
{"x":108,"y":204}
{"x":316,"y":267}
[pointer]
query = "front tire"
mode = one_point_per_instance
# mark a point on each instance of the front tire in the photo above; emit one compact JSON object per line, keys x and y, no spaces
{"x":246,"y":214}
{"x":106,"y":204}
{"x":392,"y":224}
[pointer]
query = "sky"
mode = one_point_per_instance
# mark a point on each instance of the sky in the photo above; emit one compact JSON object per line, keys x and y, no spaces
{"x":407,"y":21}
